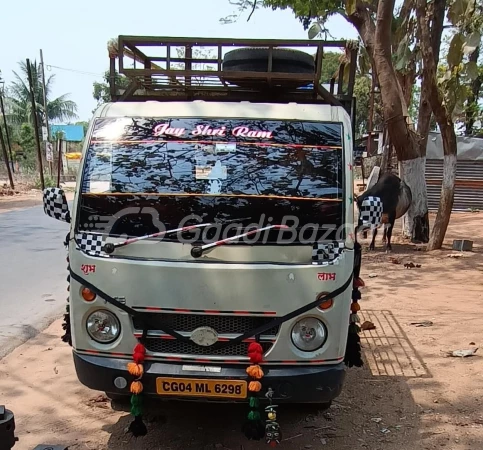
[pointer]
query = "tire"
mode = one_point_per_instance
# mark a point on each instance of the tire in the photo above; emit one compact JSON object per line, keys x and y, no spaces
{"x":256,"y":60}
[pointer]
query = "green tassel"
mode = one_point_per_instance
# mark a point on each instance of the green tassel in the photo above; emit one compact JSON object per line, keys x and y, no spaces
{"x":136,"y":405}
{"x":354,"y":328}
{"x":254,"y":402}
{"x":253,"y":415}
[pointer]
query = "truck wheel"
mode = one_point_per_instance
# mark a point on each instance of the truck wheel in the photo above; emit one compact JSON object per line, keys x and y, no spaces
{"x":256,"y":60}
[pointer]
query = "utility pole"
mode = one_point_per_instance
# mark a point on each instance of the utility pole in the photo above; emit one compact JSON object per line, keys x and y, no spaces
{"x":59,"y":162}
{"x":46,"y":112}
{"x":7,"y":134}
{"x":36,"y":124}
{"x":5,"y":157}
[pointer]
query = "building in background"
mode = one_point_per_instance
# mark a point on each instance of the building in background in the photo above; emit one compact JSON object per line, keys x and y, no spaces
{"x":72,"y":137}
{"x":469,"y":173}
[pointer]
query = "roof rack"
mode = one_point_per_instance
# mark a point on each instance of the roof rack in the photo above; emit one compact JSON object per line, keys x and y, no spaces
{"x":179,"y":69}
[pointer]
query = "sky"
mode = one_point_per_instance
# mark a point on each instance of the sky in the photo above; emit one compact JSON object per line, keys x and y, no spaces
{"x":76,"y":38}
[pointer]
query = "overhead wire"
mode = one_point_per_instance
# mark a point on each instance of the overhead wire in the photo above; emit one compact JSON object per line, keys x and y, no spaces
{"x":82,"y":72}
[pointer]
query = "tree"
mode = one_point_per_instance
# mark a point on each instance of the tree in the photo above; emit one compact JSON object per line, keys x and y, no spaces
{"x":375,"y":25}
{"x":102,"y":92}
{"x":59,"y":109}
{"x":330,"y":66}
{"x":362,"y":93}
{"x":448,"y":93}
{"x":464,"y":81}
{"x":25,"y":138}
{"x":85,"y":125}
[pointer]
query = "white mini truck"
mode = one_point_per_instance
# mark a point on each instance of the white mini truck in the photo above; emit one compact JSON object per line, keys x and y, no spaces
{"x":213,"y":215}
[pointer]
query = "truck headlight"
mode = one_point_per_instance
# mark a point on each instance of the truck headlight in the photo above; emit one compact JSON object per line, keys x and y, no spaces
{"x":103,"y":326}
{"x":308,"y":334}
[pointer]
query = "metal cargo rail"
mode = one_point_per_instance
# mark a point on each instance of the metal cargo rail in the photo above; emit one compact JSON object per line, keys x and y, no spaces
{"x":177,"y":69}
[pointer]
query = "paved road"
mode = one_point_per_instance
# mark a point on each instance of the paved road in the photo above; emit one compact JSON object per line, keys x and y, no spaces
{"x":33,"y":273}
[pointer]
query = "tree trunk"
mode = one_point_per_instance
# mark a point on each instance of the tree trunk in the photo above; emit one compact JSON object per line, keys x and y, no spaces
{"x":447,"y":194}
{"x":416,"y":221}
{"x":404,"y":140}
{"x":442,"y":115}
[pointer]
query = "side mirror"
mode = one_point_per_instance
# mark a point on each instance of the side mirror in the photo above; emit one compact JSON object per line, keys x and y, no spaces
{"x":55,"y":204}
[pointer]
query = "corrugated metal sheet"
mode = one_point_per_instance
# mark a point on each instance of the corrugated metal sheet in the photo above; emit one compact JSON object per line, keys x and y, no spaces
{"x":469,"y":184}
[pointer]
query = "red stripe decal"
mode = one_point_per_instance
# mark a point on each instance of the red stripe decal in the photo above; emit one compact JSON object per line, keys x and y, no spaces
{"x":152,"y":308}
{"x":204,"y":361}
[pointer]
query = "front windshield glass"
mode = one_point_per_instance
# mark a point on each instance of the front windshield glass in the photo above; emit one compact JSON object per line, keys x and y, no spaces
{"x":142,"y":173}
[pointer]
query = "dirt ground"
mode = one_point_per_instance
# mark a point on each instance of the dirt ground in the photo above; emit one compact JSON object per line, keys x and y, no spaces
{"x":24,"y":200}
{"x":409,"y":396}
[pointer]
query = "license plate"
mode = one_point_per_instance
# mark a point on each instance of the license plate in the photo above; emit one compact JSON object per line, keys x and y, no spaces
{"x":194,"y":387}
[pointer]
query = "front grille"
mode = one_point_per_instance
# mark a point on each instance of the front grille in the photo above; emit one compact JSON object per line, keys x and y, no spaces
{"x":190,"y":348}
{"x":222,"y":324}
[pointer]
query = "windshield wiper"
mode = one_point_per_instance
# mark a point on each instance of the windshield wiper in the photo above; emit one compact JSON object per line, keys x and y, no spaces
{"x":111,"y":246}
{"x":197,"y":252}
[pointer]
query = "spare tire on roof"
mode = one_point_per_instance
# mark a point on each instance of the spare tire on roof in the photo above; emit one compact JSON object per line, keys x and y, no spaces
{"x":284,"y":60}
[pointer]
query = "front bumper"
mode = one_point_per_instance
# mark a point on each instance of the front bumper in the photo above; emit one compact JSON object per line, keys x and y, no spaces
{"x":291,"y":384}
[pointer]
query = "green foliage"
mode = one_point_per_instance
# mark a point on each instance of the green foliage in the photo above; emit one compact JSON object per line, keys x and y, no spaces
{"x":26,"y":140}
{"x":303,"y":9}
{"x":59,"y":109}
{"x":85,"y":125}
{"x":455,"y":52}
{"x":460,"y":77}
{"x":330,"y":66}
{"x":362,"y":93}
{"x":413,"y":108}
{"x":101,"y":91}
{"x":48,"y":182}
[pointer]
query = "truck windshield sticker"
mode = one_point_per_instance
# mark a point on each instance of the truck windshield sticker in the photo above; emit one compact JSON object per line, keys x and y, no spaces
{"x":165,"y":129}
{"x":216,"y":168}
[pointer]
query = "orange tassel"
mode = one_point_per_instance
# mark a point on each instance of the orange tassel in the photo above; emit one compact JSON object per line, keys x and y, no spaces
{"x":136,"y":387}
{"x":355,"y":307}
{"x":255,"y":386}
{"x":136,"y":370}
{"x":255,"y":372}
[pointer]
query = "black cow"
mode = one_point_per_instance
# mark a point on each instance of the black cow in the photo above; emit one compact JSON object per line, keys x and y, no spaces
{"x":395,"y":196}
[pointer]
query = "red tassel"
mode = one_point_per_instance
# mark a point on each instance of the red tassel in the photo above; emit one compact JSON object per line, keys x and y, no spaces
{"x":140,"y":348}
{"x":255,"y":358}
{"x":138,"y":358}
{"x":255,"y":347}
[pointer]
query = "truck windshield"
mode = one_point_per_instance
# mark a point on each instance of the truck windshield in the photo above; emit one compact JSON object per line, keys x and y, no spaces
{"x":141,"y":174}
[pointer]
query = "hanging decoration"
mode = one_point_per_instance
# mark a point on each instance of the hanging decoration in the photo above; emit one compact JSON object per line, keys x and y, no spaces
{"x":136,"y":369}
{"x":273,"y":434}
{"x":67,"y":337}
{"x":353,"y":353}
{"x":253,"y":428}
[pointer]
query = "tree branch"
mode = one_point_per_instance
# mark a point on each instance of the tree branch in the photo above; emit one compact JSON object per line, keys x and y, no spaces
{"x":430,"y":59}
{"x":253,"y":10}
{"x":406,"y":8}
